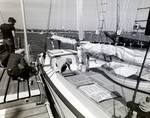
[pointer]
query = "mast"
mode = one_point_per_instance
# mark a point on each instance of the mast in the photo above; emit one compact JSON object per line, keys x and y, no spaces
{"x":118,"y":15}
{"x":80,"y":18}
{"x":25,"y":31}
{"x":80,"y":28}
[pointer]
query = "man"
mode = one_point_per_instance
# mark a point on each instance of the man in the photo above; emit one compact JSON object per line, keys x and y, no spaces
{"x":8,"y":32}
{"x":62,"y":64}
{"x":18,"y":67}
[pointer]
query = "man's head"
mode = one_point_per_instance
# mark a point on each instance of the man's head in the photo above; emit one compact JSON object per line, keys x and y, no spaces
{"x":20,"y":51}
{"x":11,"y":20}
{"x":69,"y":60}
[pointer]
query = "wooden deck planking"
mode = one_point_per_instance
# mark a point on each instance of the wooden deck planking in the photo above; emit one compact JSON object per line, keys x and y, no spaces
{"x":43,"y":115}
{"x":23,"y":89}
{"x":34,"y":89}
{"x":28,"y":110}
{"x":20,"y":102}
{"x":3,"y":83}
{"x":3,"y":86}
{"x":1,"y":72}
{"x":22,"y":107}
{"x":13,"y":88}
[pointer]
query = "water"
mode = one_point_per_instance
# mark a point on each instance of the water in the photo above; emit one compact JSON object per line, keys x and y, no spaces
{"x":38,"y":41}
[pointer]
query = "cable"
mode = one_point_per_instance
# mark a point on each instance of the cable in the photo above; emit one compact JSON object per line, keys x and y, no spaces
{"x":45,"y":47}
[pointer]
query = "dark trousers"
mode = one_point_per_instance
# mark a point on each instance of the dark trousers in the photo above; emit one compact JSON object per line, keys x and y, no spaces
{"x":5,"y":59}
{"x":10,"y":48}
{"x":9,"y":45}
{"x":23,"y":73}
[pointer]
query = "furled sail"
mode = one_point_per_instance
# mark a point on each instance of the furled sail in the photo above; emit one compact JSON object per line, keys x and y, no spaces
{"x":64,"y":39}
{"x":131,"y":56}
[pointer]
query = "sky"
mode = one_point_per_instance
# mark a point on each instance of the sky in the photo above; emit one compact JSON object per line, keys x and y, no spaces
{"x":64,"y":13}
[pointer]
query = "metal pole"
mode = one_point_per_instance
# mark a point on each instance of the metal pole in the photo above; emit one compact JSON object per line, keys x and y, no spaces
{"x":80,"y":18}
{"x":138,"y":79}
{"x":138,"y":82}
{"x":25,"y":32}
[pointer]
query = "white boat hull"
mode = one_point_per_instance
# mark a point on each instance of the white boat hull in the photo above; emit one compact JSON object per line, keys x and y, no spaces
{"x":70,"y":102}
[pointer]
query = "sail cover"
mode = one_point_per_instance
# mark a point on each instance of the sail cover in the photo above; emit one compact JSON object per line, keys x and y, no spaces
{"x":128,"y":55}
{"x":64,"y":39}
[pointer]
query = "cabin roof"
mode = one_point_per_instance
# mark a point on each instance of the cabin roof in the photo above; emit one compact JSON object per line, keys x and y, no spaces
{"x":58,"y":52}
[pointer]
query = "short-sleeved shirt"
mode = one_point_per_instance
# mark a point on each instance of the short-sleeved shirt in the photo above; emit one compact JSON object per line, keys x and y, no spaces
{"x":61,"y":64}
{"x":6,"y":30}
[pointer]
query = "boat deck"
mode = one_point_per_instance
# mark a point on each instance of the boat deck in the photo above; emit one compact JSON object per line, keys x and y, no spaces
{"x":19,"y":99}
{"x":115,"y":106}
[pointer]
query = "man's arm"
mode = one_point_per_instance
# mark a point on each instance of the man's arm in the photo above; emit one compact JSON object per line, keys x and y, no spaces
{"x":13,"y":33}
{"x":69,"y":67}
{"x":23,"y":62}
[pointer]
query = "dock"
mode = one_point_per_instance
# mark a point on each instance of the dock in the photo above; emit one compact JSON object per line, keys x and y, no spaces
{"x":22,"y":99}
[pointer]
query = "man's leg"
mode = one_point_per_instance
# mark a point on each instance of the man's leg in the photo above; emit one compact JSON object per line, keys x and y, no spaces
{"x":5,"y":45}
{"x":5,"y":59}
{"x":11,"y":46}
{"x":24,"y":73}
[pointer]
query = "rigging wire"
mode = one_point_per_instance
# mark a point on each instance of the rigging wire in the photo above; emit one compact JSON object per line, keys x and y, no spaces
{"x":58,"y":15}
{"x":123,"y":14}
{"x":94,"y":20}
{"x":98,"y":13}
{"x":111,"y":19}
{"x":91,"y":37}
{"x":104,"y":10}
{"x":45,"y":47}
{"x":64,"y":14}
{"x":101,"y":21}
{"x":3,"y":18}
{"x":129,"y":19}
{"x":118,"y":15}
{"x":137,"y":12}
